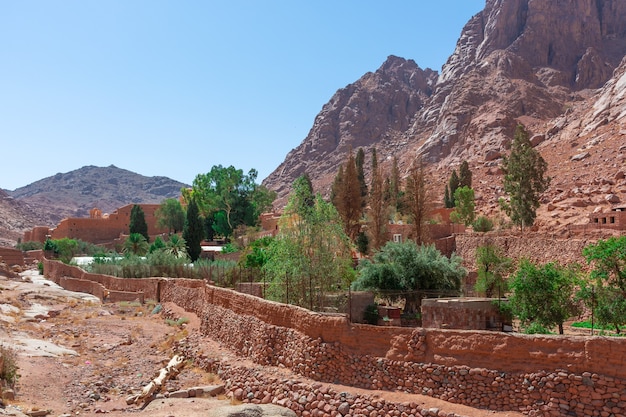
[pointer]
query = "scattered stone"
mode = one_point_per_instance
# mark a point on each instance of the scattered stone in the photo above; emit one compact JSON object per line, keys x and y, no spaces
{"x":580,"y":156}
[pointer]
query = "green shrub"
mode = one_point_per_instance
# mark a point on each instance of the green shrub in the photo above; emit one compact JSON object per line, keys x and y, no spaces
{"x":26,"y":246}
{"x":8,"y":366}
{"x":371,"y":314}
{"x":482,"y":224}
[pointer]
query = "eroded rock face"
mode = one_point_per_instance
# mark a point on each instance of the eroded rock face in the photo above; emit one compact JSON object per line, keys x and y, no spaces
{"x":517,"y":61}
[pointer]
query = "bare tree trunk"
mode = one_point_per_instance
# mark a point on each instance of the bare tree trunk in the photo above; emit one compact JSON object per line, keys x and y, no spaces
{"x":171,"y":370}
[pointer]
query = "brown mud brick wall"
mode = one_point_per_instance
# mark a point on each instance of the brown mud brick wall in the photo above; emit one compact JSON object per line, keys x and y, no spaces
{"x":538,"y":375}
{"x":12,"y":256}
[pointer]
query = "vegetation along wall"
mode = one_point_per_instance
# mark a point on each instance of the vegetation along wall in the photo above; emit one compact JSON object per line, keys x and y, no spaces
{"x":540,"y":375}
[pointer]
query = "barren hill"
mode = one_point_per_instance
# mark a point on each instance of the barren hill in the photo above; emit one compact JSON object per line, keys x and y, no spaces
{"x":73,"y":194}
{"x":537,"y":62}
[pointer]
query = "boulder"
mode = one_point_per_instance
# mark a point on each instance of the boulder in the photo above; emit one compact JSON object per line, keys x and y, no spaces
{"x":612,"y":198}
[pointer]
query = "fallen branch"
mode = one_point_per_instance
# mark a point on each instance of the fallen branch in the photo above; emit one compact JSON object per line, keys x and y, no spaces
{"x":171,"y":370}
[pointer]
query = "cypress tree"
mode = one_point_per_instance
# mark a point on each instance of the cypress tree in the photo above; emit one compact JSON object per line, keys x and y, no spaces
{"x":193,"y":231}
{"x":137,"y":223}
{"x":465,"y":175}
{"x":360,"y":161}
{"x":453,"y":184}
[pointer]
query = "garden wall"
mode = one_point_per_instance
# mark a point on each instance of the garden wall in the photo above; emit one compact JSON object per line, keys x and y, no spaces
{"x":539,"y":375}
{"x":546,"y":375}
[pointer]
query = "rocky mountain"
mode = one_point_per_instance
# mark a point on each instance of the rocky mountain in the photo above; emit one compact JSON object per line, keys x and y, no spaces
{"x":73,"y":194}
{"x":552,"y":65}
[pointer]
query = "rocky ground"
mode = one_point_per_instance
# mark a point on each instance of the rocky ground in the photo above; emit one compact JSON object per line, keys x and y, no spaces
{"x":77,"y":356}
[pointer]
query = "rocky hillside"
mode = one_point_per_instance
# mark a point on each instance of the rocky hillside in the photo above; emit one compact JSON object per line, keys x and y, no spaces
{"x":553,"y":66}
{"x":73,"y":194}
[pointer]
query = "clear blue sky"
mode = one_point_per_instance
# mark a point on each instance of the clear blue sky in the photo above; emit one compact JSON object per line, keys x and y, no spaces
{"x":174,"y":87}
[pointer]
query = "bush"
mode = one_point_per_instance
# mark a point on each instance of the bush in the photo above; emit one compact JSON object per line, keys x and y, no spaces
{"x":8,"y":366}
{"x":482,"y":224}
{"x":371,"y":314}
{"x":26,"y":246}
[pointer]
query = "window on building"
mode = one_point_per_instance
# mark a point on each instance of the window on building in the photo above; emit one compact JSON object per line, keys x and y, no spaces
{"x":612,"y":220}
{"x":604,"y":220}
{"x":397,"y":238}
{"x":596,"y":220}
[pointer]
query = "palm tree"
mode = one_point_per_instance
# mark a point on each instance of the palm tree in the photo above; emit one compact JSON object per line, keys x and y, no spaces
{"x":136,"y":244}
{"x":177,"y":246}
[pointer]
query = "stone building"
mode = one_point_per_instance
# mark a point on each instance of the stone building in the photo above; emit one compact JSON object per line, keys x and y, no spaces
{"x":98,"y":228}
{"x":613,"y":219}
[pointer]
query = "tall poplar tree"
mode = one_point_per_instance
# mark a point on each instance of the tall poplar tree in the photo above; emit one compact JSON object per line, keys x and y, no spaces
{"x":524,"y":180}
{"x":347,"y":198}
{"x":377,"y":215}
{"x":360,"y":171}
{"x":416,"y":199}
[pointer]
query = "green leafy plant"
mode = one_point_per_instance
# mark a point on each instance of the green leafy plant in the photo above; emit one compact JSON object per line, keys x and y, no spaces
{"x":370,"y":315}
{"x":482,"y":224}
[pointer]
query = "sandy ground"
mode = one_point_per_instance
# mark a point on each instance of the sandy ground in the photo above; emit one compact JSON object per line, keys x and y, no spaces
{"x":77,"y":356}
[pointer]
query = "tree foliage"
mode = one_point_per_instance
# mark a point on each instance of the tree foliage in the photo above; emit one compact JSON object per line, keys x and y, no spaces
{"x":605,"y":294}
{"x":347,"y":197}
{"x":138,"y":223}
{"x":136,"y":244}
{"x":193,"y":232}
{"x":524,"y":180}
{"x":417,"y":200}
{"x":465,"y":175}
{"x":393,"y":188}
{"x":229,"y":197}
{"x":171,"y":215}
{"x":544,"y":295}
{"x":493,"y":269}
{"x":464,"y":206}
{"x":311,"y":255}
{"x":410,"y":272}
{"x":377,"y":215}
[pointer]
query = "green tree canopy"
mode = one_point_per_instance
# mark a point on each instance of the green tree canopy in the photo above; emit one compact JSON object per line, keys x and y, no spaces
{"x":138,"y":222}
{"x":464,"y":206}
{"x":605,"y":293}
{"x":311,"y":254}
{"x":378,"y":213}
{"x":493,"y":269}
{"x":410,"y":272}
{"x":524,"y":180}
{"x":465,"y":175}
{"x":171,"y":215}
{"x":230,"y":197}
{"x":544,"y":295}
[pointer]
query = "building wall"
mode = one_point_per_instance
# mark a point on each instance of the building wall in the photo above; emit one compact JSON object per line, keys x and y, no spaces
{"x":461,"y":313}
{"x":97,"y":229}
{"x":11,"y":256}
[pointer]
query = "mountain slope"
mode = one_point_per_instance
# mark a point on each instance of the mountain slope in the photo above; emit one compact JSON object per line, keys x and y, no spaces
{"x":518,"y":61}
{"x":74,"y":193}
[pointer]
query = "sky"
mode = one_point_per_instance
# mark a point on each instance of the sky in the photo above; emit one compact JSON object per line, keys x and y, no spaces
{"x":172,"y":88}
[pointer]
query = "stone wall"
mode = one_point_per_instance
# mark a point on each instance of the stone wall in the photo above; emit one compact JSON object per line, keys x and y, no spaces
{"x":105,"y":287}
{"x":539,"y":375}
{"x":537,"y":248}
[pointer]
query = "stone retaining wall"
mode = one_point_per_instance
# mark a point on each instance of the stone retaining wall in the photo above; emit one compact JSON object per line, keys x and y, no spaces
{"x":539,"y":375}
